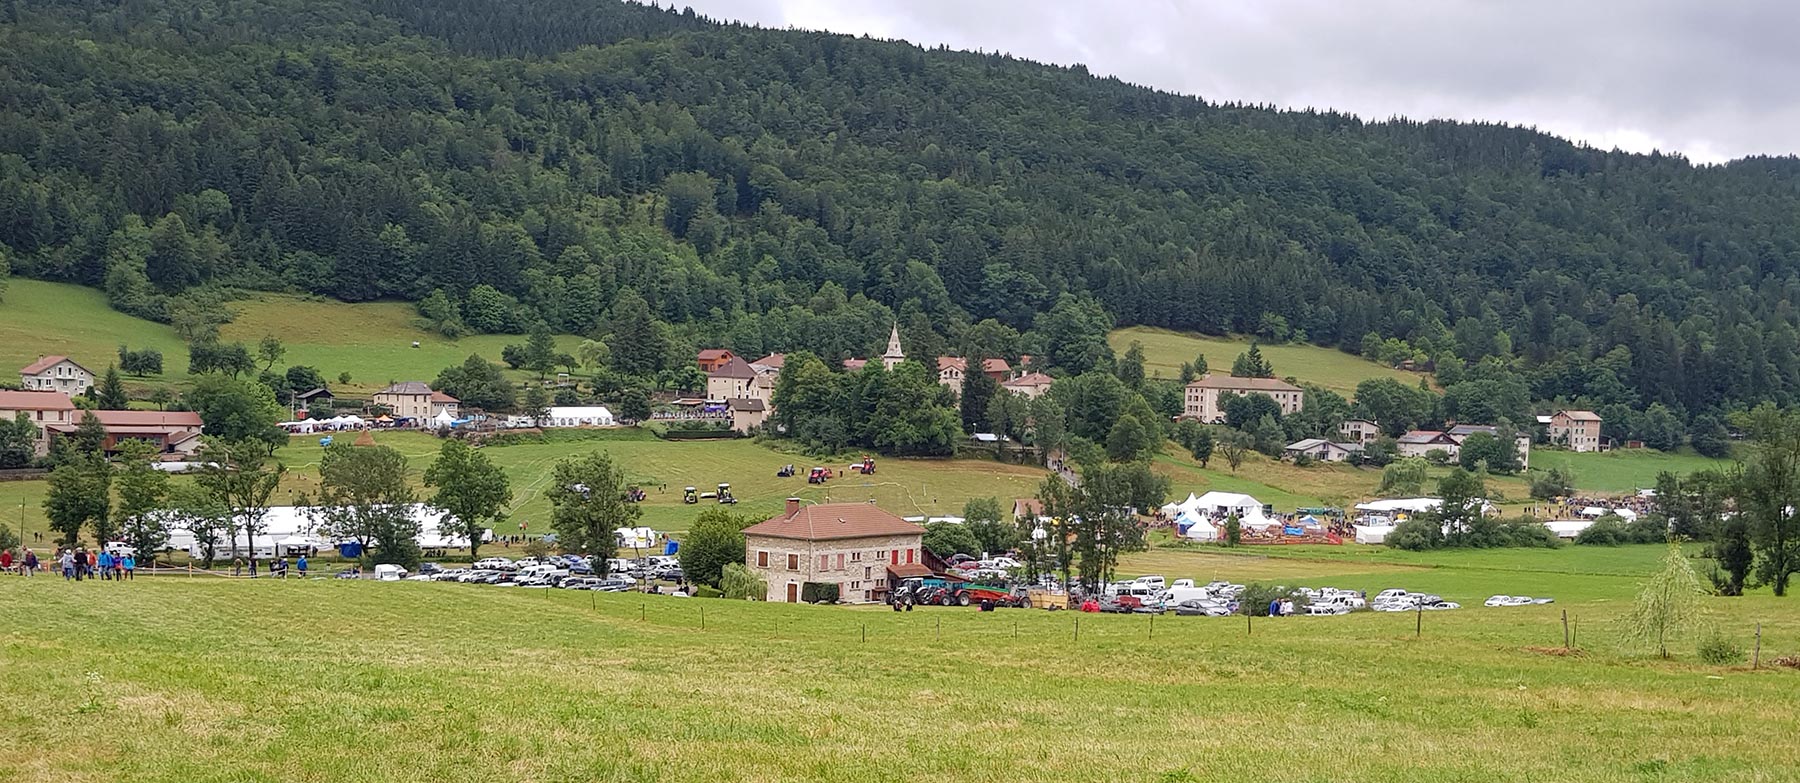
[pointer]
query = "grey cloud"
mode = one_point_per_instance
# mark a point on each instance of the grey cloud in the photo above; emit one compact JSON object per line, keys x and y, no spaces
{"x":1711,"y":80}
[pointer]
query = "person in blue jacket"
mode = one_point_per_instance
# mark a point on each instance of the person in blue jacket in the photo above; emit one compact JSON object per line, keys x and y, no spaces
{"x":105,"y":564}
{"x":1275,"y":608}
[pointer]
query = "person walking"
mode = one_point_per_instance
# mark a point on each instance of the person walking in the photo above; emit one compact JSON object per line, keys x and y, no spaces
{"x":130,"y":567}
{"x":118,"y":568}
{"x":301,"y":564}
{"x":93,"y":561}
{"x":253,"y":566}
{"x":104,"y":560}
{"x":237,"y":566}
{"x":31,"y":562}
{"x":6,"y":561}
{"x":66,"y":560}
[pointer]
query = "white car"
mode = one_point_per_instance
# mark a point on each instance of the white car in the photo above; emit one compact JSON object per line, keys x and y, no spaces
{"x":1498,"y":600}
{"x":493,"y":564}
{"x":1326,"y":608}
{"x":1152,"y":580}
{"x":1181,"y":583}
{"x":388,"y":572}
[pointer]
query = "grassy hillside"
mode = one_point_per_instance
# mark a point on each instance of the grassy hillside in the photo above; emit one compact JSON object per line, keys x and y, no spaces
{"x":371,"y":341}
{"x":905,"y":487}
{"x":424,"y":681}
{"x":1623,"y":470}
{"x":1165,"y":351}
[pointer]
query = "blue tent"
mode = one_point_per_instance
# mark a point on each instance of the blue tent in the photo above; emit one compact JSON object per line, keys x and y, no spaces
{"x":350,"y":549}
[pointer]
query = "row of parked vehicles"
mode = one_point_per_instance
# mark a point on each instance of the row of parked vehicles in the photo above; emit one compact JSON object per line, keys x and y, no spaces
{"x":569,"y":572}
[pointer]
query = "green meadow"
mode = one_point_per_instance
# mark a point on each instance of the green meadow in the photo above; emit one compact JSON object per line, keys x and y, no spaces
{"x":373,"y":341}
{"x":1165,"y":351}
{"x":180,"y":679}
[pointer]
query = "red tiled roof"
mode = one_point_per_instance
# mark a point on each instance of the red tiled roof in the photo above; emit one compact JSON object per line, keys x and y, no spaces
{"x":438,"y":396}
{"x":733,"y":367}
{"x":947,"y":362}
{"x":35,"y":401}
{"x":148,"y":418}
{"x":46,"y":363}
{"x":855,"y":364}
{"x":775,"y":360}
{"x":832,"y":521}
{"x":995,"y":365}
{"x":1234,"y":383}
{"x":713,"y":354}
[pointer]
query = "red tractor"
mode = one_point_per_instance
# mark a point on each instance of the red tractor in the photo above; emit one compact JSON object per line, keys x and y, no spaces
{"x":866,"y":467}
{"x":818,"y":476}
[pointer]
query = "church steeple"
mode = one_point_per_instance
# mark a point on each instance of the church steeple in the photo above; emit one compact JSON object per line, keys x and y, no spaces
{"x":894,"y":355}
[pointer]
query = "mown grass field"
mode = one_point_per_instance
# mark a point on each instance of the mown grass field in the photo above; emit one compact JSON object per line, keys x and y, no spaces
{"x":662,"y":468}
{"x":1623,"y":470}
{"x":173,"y":679}
{"x":371,"y":341}
{"x":1165,"y":351}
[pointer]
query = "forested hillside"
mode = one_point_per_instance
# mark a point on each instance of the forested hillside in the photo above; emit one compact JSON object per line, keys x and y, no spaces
{"x":511,"y":163}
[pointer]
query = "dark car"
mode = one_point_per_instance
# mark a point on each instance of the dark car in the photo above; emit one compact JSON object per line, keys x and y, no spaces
{"x":1201,"y":607}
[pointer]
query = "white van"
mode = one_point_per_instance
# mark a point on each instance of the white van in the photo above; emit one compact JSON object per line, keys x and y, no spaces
{"x":1148,"y":594}
{"x":1152,"y":580}
{"x":1181,"y":593}
{"x":388,"y":572}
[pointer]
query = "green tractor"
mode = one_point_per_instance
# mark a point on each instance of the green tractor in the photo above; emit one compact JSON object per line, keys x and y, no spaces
{"x":689,"y":496}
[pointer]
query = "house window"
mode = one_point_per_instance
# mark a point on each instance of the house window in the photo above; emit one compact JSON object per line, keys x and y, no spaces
{"x":793,"y":562}
{"x":895,"y":555}
{"x":824,"y":562}
{"x":909,"y":555}
{"x":762,"y":559}
{"x":855,"y":556}
{"x":840,"y":561}
{"x":865,"y":572}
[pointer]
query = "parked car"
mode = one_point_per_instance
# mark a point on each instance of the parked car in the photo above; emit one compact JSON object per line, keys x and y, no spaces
{"x":1201,"y":607}
{"x":1326,"y":609}
{"x":493,"y":564}
{"x":612,"y":584}
{"x":1153,"y":580}
{"x":388,"y":572}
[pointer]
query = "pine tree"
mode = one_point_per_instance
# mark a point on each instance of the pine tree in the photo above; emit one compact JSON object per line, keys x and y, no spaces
{"x":110,"y":394}
{"x":1251,"y":364}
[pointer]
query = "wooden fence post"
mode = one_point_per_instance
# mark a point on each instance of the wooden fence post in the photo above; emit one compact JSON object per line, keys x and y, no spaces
{"x":1756,"y":657}
{"x":1565,"y":616}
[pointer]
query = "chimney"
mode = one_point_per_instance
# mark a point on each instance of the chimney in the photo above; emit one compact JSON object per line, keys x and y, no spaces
{"x":793,"y":506}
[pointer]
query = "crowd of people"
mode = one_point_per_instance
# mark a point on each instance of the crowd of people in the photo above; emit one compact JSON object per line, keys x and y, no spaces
{"x":75,"y":563}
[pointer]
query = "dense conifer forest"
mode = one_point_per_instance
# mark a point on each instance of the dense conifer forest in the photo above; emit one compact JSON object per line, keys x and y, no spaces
{"x":531,"y":164}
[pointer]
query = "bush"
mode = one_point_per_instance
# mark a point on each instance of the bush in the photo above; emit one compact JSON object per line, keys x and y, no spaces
{"x":1608,"y":530}
{"x":1254,"y":601}
{"x":1417,"y":534}
{"x":1647,"y":530}
{"x":1717,"y":650}
{"x":819,"y":592}
{"x":1526,"y":531}
{"x":1303,"y":460}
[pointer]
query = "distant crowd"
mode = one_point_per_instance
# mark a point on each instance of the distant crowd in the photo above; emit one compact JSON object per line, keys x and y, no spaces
{"x":75,"y":564}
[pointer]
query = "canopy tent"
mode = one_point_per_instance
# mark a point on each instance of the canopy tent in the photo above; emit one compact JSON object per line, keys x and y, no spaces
{"x":1196,"y":527}
{"x":1219,"y":505}
{"x":1596,"y":512}
{"x":1373,"y":534}
{"x":443,"y":420}
{"x":1405,"y":505}
{"x":1568,"y":528}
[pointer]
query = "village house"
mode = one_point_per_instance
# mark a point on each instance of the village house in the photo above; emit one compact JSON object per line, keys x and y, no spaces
{"x":1418,"y":443}
{"x":770,"y":365}
{"x":45,"y":409}
{"x":1359,"y":431}
{"x":1206,"y":395}
{"x":747,"y":413}
{"x":56,"y":373}
{"x":951,"y":370}
{"x":416,"y":400}
{"x":711,"y":359}
{"x":858,"y":547}
{"x":1575,"y":430}
{"x":170,"y":432}
{"x":735,"y":379}
{"x":1521,"y":440}
{"x":1323,"y":450}
{"x":1031,"y":384}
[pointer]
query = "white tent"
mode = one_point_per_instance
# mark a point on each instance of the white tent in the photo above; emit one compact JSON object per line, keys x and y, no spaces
{"x":1373,"y":534}
{"x":1568,"y":528}
{"x":1403,"y":505}
{"x":579,"y":416}
{"x":1196,"y":527}
{"x":444,"y":420}
{"x":1596,"y":512}
{"x":1223,"y":504}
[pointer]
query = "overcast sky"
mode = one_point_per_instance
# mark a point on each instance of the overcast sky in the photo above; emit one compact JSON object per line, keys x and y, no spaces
{"x":1712,"y":80}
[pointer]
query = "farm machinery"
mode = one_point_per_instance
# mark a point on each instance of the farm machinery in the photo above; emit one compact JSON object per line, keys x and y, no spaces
{"x":866,"y":467}
{"x":688,"y":495}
